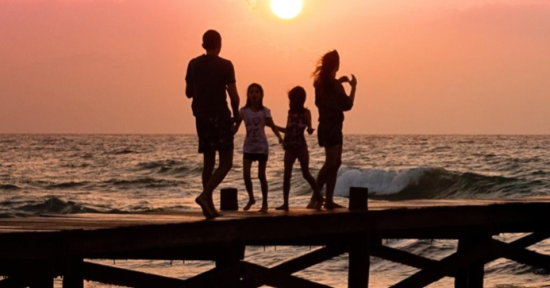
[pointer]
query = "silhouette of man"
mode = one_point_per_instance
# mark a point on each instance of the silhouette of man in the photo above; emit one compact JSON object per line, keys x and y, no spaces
{"x":208,"y":78}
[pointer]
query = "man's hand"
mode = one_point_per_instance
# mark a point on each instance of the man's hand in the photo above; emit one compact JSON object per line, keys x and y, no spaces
{"x":310,"y":131}
{"x":237,"y":118}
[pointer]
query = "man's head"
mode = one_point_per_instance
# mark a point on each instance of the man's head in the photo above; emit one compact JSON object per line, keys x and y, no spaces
{"x":212,"y":41}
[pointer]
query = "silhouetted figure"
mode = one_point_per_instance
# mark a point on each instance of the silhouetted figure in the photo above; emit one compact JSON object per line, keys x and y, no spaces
{"x":332,"y":101}
{"x":256,"y":148}
{"x":299,"y":118}
{"x":208,"y":78}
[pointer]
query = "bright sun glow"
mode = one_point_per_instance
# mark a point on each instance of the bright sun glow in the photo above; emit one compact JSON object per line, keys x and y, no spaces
{"x":286,"y":9}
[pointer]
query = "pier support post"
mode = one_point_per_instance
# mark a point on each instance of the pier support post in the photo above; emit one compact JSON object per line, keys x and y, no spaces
{"x":232,"y":255}
{"x":359,"y":262}
{"x":74,"y":276}
{"x":471,"y":277}
{"x":359,"y":248}
{"x":358,"y":199}
{"x":229,"y":200}
{"x":42,"y":274}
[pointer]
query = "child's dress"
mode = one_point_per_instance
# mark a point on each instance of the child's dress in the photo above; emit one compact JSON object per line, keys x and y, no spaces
{"x":295,"y":142}
{"x":255,"y":145}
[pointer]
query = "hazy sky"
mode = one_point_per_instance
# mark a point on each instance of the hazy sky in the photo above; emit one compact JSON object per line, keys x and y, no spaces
{"x":423,"y":66}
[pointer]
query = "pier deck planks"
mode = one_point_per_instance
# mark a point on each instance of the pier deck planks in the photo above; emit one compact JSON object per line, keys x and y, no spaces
{"x":186,"y":235}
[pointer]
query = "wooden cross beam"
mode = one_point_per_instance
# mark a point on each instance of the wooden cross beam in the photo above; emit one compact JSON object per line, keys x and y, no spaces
{"x":403,"y":257}
{"x":123,"y":277}
{"x":14,"y":282}
{"x":482,"y":253}
{"x":523,"y":256}
{"x":299,"y":263}
{"x":275,"y":278}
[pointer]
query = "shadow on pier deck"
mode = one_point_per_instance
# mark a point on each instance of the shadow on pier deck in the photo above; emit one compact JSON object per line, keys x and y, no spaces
{"x":35,"y":250}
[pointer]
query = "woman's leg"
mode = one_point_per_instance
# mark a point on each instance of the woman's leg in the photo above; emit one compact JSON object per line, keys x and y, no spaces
{"x":286,"y":185}
{"x":326,"y":174}
{"x":317,"y":197}
{"x":247,"y":163}
{"x":333,"y":162}
{"x":263,"y":182}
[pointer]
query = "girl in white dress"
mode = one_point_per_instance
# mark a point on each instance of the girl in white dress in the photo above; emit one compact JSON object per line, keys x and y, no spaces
{"x":256,"y":148}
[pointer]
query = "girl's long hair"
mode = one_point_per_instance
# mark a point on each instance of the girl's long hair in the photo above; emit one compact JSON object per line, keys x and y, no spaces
{"x":325,"y":66}
{"x":297,"y":99}
{"x":247,"y":105}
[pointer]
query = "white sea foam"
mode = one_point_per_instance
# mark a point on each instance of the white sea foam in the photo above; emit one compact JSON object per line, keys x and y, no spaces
{"x":379,"y":181}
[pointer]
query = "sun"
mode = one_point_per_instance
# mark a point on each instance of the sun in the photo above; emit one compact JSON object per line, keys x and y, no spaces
{"x":286,"y":9}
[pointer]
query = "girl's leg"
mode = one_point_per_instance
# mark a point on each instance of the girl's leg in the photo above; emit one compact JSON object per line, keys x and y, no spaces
{"x":247,"y":163}
{"x":316,"y":193}
{"x":263,"y":181}
{"x":334,"y":160}
{"x":286,"y":185}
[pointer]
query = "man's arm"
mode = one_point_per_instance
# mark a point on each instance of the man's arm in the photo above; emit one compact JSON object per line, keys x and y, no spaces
{"x":189,"y":90}
{"x":237,"y":124}
{"x":235,"y":100}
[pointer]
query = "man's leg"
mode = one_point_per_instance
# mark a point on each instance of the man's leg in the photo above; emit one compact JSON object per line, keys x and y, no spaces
{"x":209,"y":161}
{"x":205,"y":199}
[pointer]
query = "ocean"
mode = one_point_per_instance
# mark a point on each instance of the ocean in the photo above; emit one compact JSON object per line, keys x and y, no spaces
{"x":138,"y":173}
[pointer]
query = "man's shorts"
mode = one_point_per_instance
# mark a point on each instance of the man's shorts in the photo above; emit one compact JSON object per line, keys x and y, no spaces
{"x":215,"y":133}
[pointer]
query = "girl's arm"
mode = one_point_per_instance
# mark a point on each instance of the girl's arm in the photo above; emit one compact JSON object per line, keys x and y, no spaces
{"x":281,"y":129}
{"x":269,"y":122}
{"x":307,"y":115}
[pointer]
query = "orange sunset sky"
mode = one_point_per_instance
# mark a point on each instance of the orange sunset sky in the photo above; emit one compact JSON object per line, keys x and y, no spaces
{"x":423,"y":66}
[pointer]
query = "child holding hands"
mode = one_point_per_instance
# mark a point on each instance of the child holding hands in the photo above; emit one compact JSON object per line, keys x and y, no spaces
{"x":256,"y":148}
{"x":299,"y":118}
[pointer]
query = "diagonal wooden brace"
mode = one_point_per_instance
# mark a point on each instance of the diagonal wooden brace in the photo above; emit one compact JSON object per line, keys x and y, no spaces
{"x":277,"y":279}
{"x":14,"y":282}
{"x":299,"y":263}
{"x":483,"y":253}
{"x":129,"y":278}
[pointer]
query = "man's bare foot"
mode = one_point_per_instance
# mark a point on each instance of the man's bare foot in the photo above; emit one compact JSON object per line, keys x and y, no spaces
{"x":249,"y":204}
{"x":206,"y":209}
{"x":264,"y":208}
{"x":333,"y":205}
{"x":213,"y":209}
{"x":216,"y":213}
{"x":283,"y":207}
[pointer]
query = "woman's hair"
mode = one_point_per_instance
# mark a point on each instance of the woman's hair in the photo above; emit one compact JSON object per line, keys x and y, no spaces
{"x":261,"y":92}
{"x":325,"y":66}
{"x":297,"y":99}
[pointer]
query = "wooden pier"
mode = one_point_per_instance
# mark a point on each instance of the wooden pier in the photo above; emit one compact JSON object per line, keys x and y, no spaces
{"x":35,"y":250}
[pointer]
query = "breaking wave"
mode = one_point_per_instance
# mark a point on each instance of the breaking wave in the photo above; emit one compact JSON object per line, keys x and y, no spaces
{"x":429,"y":183}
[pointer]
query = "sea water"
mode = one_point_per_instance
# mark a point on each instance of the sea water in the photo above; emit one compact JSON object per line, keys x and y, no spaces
{"x":138,"y":173}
